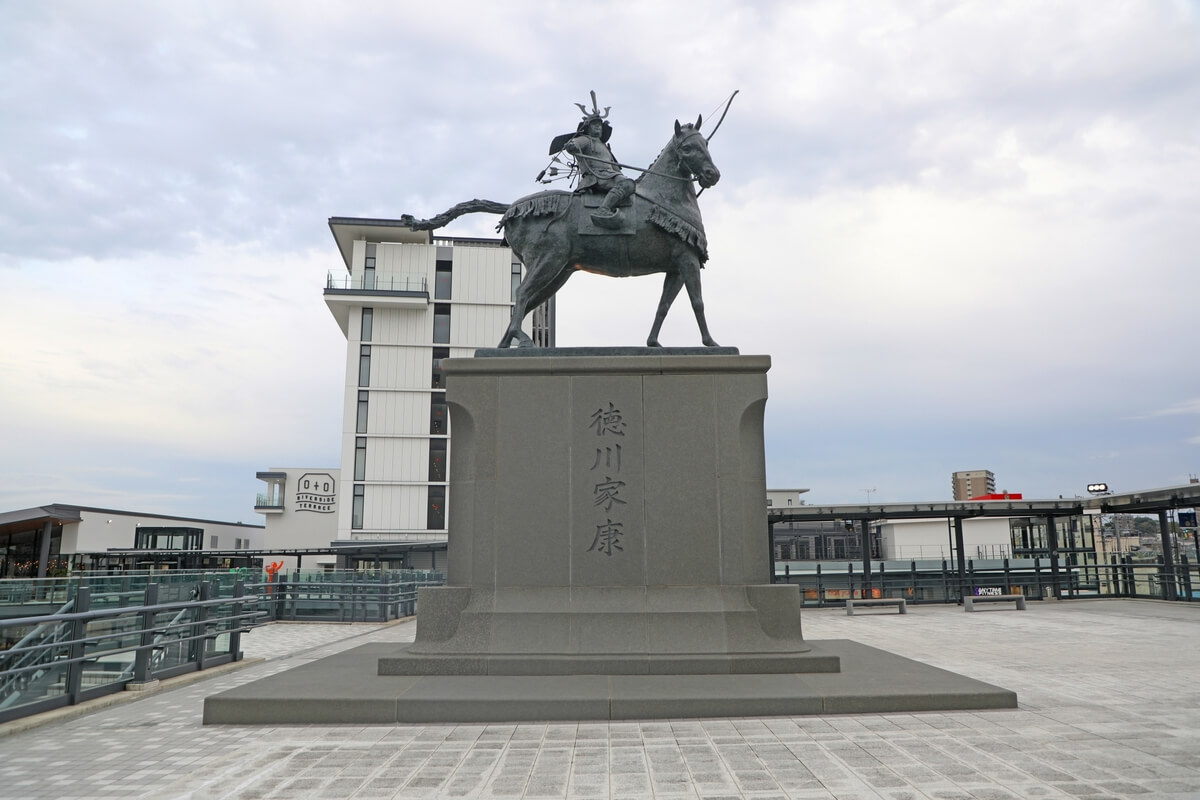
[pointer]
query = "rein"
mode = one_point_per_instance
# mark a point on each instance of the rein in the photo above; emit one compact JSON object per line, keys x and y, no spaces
{"x":647,"y":170}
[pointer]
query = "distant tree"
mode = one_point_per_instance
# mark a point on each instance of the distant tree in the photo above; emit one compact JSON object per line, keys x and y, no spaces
{"x":1146,"y":526}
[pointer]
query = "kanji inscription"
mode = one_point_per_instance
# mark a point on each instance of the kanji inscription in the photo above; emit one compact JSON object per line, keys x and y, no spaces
{"x":609,"y":494}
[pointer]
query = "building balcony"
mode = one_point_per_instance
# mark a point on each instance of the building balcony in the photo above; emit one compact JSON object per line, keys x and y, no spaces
{"x":377,"y":284}
{"x":265,"y":504}
{"x":344,"y":292}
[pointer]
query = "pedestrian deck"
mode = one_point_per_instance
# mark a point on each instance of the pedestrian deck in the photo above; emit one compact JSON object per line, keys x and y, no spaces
{"x":1108,"y":690}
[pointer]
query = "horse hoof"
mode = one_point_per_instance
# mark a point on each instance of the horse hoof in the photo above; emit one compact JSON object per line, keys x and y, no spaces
{"x":652,"y":343}
{"x":710,"y":343}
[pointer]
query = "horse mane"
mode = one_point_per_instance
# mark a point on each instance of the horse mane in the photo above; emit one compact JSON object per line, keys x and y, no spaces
{"x":670,"y":143}
{"x":671,"y":222}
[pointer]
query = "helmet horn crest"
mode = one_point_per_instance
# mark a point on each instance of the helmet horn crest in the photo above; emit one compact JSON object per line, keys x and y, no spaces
{"x":595,"y":112}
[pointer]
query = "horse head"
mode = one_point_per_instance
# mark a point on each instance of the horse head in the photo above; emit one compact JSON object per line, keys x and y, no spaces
{"x":692,"y":149}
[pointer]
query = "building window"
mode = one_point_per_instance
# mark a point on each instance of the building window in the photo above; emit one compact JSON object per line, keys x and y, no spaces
{"x":159,"y":538}
{"x":436,"y":519}
{"x":441,"y":280}
{"x":516,"y":280}
{"x":441,"y":323}
{"x":364,"y":365}
{"x":361,"y":425}
{"x":212,"y":543}
{"x":440,"y":354}
{"x":438,"y":413}
{"x":356,"y":509}
{"x":369,"y":267}
{"x":437,"y":460}
{"x":360,"y":459}
{"x":368,"y":319}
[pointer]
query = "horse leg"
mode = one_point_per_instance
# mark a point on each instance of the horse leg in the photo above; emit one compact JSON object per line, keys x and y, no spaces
{"x":672,"y":283}
{"x":691,"y":279}
{"x":541,"y":281}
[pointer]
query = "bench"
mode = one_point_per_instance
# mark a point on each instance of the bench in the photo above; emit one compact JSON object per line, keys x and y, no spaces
{"x":877,"y":601}
{"x":969,"y":602}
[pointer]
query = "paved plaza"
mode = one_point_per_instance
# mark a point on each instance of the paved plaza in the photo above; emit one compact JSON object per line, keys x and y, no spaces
{"x":1109,"y":694}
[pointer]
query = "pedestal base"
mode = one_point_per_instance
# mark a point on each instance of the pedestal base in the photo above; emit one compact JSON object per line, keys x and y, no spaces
{"x":345,"y":689}
{"x":617,"y":630}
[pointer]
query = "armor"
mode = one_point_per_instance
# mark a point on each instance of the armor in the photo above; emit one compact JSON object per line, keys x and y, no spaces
{"x":598,"y":168}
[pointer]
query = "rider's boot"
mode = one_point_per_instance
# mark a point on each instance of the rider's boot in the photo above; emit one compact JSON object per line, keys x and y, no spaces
{"x":606,"y":215}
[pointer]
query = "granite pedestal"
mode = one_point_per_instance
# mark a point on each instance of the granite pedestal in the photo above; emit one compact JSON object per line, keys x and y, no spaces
{"x":608,"y":558}
{"x":607,"y":517}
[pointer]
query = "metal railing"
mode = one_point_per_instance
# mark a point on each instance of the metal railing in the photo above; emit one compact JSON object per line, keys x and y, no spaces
{"x":370,"y":282}
{"x":99,"y":642}
{"x":348,"y":596}
{"x":108,"y":589}
{"x":71,"y":656}
{"x":828,"y":584}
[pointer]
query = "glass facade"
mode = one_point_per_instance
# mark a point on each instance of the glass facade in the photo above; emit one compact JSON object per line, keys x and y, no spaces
{"x":162,"y":538}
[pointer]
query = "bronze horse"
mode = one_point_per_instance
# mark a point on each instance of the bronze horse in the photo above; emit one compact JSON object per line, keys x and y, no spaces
{"x":548,"y":231}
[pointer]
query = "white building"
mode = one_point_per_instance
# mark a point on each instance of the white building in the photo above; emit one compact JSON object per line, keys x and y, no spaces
{"x":916,"y":539}
{"x":45,"y":540}
{"x":784,"y":498}
{"x":406,"y":302}
{"x":300,"y":505}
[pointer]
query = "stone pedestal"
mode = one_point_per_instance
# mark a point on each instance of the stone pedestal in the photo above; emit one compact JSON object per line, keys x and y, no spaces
{"x":608,"y":560}
{"x":608,"y":516}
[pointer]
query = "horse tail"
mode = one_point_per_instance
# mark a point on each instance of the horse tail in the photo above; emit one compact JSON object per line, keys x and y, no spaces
{"x":451,"y":214}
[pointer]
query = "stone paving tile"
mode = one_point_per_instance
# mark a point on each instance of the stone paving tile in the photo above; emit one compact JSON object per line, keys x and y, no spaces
{"x":1098,"y":719}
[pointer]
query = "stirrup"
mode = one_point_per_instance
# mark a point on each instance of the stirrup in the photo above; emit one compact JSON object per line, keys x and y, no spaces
{"x":611,"y":219}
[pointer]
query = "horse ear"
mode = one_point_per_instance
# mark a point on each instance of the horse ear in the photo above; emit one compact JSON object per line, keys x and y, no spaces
{"x":699,"y":117}
{"x":677,"y":127}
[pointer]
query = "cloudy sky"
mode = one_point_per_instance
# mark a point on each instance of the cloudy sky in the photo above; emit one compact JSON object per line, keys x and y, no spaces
{"x":966,"y":233}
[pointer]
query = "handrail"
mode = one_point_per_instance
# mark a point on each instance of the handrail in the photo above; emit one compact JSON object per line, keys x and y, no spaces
{"x":46,"y":669}
{"x":133,"y":648}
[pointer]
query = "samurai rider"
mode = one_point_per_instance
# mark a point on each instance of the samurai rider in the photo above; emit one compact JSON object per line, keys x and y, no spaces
{"x":598,"y":167}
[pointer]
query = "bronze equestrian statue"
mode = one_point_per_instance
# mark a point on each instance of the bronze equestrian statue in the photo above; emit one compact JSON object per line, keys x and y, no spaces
{"x":627,"y":228}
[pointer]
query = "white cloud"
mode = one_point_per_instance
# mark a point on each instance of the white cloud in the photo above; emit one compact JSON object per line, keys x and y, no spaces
{"x":936,"y":217}
{"x":1191,"y":406}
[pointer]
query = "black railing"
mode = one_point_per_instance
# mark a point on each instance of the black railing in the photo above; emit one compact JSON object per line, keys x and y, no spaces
{"x":87,"y":649}
{"x":84,"y":653}
{"x":347,"y":596}
{"x":826,"y":584}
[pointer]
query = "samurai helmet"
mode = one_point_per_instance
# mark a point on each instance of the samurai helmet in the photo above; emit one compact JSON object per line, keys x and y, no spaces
{"x":594,"y":115}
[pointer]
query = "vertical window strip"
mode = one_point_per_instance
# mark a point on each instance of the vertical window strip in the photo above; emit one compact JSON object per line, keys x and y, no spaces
{"x":361,"y":423}
{"x":360,"y":458}
{"x":368,"y":319}
{"x":364,"y":365}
